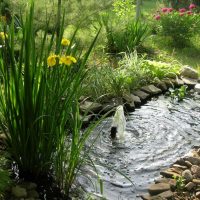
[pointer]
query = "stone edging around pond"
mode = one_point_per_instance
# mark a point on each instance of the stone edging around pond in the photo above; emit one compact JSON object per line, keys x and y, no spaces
{"x":188,"y":76}
{"x":187,"y":171}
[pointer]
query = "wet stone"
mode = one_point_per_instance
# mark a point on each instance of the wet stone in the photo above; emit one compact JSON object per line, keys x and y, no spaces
{"x":166,"y":195}
{"x":170,"y":173}
{"x":197,"y":195}
{"x":90,"y":106}
{"x":155,"y":189}
{"x":196,"y":181}
{"x":161,"y":85}
{"x":187,"y":175}
{"x":180,"y":166}
{"x":195,"y":171}
{"x":189,"y":186}
{"x":188,"y":164}
{"x":189,"y":72}
{"x":193,"y":160}
{"x":151,"y":89}
{"x":189,"y":82}
{"x":133,"y":98}
{"x":142,"y":95}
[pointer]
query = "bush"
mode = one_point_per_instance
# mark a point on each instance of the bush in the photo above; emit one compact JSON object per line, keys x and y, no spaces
{"x":129,"y":35}
{"x":180,"y":25}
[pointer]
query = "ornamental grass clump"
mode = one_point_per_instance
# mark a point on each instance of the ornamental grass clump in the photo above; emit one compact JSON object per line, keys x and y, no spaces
{"x":180,"y":25}
{"x":39,"y":106}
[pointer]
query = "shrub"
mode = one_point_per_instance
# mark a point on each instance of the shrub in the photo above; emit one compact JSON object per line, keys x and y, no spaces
{"x":125,"y":38}
{"x":179,"y":25}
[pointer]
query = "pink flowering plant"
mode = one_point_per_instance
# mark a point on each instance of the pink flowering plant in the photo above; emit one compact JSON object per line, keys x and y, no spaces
{"x":180,"y":25}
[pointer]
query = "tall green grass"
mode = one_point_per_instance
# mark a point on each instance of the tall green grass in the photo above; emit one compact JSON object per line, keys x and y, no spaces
{"x":39,"y":104}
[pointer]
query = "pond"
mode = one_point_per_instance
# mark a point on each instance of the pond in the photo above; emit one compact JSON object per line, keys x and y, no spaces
{"x":157,"y":134}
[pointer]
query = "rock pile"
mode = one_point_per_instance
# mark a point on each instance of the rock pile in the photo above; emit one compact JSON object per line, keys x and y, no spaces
{"x":180,"y":181}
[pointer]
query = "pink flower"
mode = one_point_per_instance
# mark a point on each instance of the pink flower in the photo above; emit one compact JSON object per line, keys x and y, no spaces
{"x":189,"y":12}
{"x":164,"y":10}
{"x":192,"y":6}
{"x":182,"y":10}
{"x":181,"y":13}
{"x":170,"y":9}
{"x":157,"y":17}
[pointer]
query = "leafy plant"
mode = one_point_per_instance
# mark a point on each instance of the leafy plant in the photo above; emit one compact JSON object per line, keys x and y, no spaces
{"x":178,"y":93}
{"x":179,"y":25}
{"x":4,"y":182}
{"x":127,"y":37}
{"x":180,"y":182}
{"x":39,"y":104}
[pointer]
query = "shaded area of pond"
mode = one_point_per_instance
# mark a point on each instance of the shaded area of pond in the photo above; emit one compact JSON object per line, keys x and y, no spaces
{"x":156,"y":135}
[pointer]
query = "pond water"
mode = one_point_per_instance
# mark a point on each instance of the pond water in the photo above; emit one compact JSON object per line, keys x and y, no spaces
{"x":156,"y":135}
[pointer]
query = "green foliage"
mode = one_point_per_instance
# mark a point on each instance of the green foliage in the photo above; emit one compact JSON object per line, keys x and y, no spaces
{"x":4,"y":182}
{"x":126,"y":37}
{"x":124,"y":8}
{"x":179,"y":26}
{"x":180,"y":183}
{"x":39,"y":104}
{"x":160,"y":70}
{"x":178,"y":93}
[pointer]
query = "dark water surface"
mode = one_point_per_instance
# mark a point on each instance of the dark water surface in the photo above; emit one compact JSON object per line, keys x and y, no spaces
{"x":156,"y":135}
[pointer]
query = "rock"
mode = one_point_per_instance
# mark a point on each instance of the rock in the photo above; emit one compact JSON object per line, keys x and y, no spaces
{"x":196,"y":181}
{"x":180,"y":161}
{"x":132,"y":98}
{"x":129,"y":106}
{"x":19,"y":192}
{"x":142,"y":95}
{"x":198,"y":195}
{"x":155,"y":189}
{"x":33,"y":194}
{"x":189,"y":72}
{"x":151,"y":89}
{"x":86,"y":120}
{"x":89,"y":106}
{"x":187,"y":175}
{"x":161,"y":85}
{"x":179,"y":82}
{"x":166,"y":195}
{"x":197,"y":88}
{"x":180,"y":166}
{"x":189,"y":186}
{"x":169,"y":83}
{"x":195,"y":171}
{"x":189,"y":82}
{"x":108,"y":107}
{"x":2,"y":136}
{"x":189,"y":164}
{"x":162,"y":180}
{"x":169,"y":173}
{"x":192,"y":160}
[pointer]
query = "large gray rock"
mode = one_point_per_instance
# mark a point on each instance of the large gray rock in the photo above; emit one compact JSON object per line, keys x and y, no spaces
{"x":161,"y":85}
{"x":132,"y":98}
{"x":189,"y":72}
{"x":189,"y":82}
{"x":151,"y":89}
{"x":158,"y":188}
{"x":142,"y":95}
{"x":187,"y":175}
{"x":19,"y":192}
{"x":197,"y":88}
{"x":90,"y":106}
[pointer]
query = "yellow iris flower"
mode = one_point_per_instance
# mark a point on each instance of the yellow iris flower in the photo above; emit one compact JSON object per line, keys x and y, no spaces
{"x":65,"y":42}
{"x":51,"y":60}
{"x":67,"y":60}
{"x":3,"y":35}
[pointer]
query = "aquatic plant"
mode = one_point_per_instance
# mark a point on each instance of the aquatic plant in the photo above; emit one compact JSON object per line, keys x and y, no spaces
{"x":178,"y":93}
{"x":39,"y":103}
{"x":180,"y":182}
